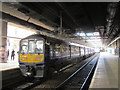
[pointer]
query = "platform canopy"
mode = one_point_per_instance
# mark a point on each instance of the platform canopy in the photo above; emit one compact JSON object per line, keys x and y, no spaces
{"x":87,"y":21}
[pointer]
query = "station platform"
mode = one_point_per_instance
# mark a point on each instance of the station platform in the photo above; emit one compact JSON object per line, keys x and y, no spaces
{"x":10,"y":73}
{"x":106,"y":74}
{"x":9,"y":65}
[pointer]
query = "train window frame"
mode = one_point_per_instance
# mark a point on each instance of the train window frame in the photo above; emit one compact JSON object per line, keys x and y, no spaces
{"x":42,"y":46}
{"x":29,"y":46}
{"x":23,"y":45}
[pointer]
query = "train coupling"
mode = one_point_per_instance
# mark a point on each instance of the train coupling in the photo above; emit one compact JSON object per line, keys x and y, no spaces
{"x":28,"y":74}
{"x":29,"y":68}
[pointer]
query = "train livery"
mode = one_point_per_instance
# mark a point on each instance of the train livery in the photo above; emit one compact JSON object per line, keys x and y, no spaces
{"x":40,"y":55}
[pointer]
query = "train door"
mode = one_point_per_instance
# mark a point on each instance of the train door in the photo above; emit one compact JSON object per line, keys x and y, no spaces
{"x":47,"y":51}
{"x":70,"y":50}
{"x":79,"y":51}
{"x":52,"y":51}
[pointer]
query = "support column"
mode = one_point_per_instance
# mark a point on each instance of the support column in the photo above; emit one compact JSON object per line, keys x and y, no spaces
{"x":119,"y":47}
{"x":0,"y":45}
{"x":3,"y":41}
{"x":117,"y":42}
{"x":114,"y":47}
{"x":119,"y":64}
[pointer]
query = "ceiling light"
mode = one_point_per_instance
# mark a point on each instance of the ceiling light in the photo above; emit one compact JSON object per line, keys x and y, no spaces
{"x":81,"y":34}
{"x":96,"y":33}
{"x":89,"y":34}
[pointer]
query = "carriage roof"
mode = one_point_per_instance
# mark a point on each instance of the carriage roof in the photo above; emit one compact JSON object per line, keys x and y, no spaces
{"x":53,"y":40}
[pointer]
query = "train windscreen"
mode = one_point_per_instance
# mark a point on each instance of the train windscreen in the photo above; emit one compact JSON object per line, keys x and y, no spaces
{"x":24,"y":46}
{"x":31,"y":46}
{"x":39,"y":46}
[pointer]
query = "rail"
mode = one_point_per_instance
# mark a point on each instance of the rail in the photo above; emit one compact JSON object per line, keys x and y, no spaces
{"x":62,"y":85}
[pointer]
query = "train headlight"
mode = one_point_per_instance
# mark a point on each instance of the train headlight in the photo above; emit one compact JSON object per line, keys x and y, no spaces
{"x":37,"y":58}
{"x":22,"y":58}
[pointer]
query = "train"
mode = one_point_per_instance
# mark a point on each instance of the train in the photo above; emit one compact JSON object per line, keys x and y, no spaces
{"x":41,"y":55}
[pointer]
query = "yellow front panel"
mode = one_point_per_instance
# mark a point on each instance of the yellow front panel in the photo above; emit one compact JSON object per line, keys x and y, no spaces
{"x":22,"y":57}
{"x":31,"y":58}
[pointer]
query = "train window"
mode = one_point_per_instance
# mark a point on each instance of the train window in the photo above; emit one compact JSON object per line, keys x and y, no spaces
{"x":57,"y":50}
{"x":64,"y":50}
{"x":31,"y":46}
{"x":24,"y":46}
{"x":74,"y":51}
{"x":39,"y":46}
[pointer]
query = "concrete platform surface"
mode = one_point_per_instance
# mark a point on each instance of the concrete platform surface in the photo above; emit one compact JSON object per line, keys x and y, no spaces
{"x":9,"y":65}
{"x":106,"y":73}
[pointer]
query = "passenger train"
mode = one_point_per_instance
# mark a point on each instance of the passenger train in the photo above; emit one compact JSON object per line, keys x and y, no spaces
{"x":40,"y":55}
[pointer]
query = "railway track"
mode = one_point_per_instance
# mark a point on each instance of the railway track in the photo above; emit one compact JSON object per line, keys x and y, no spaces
{"x":81,"y":78}
{"x":30,"y":84}
{"x":11,"y":78}
{"x":48,"y":82}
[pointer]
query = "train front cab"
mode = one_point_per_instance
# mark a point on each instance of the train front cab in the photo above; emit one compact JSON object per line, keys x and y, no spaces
{"x":31,"y":57}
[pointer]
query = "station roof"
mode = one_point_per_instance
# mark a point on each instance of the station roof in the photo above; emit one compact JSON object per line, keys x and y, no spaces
{"x":89,"y":21}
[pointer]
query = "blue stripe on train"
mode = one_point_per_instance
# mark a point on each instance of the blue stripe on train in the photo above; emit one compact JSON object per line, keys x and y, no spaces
{"x":30,"y":63}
